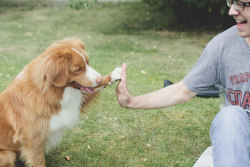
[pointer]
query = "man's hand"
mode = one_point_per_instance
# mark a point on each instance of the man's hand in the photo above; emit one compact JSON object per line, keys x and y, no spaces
{"x":122,"y":93}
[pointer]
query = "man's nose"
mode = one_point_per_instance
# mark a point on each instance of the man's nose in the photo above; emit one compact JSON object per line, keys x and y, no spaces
{"x":232,"y":11}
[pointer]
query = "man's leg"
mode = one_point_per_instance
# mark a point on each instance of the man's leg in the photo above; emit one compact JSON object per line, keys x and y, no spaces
{"x":230,"y":138}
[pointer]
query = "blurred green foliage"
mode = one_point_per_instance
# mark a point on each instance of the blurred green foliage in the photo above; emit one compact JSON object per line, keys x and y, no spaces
{"x":77,"y":4}
{"x":195,"y":13}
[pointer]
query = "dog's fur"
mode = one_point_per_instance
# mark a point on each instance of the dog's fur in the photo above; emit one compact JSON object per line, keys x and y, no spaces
{"x":44,"y":99}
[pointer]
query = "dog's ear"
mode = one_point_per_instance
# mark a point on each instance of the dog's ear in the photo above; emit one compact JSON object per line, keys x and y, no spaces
{"x":60,"y":75}
{"x":60,"y":78}
{"x":57,"y":70}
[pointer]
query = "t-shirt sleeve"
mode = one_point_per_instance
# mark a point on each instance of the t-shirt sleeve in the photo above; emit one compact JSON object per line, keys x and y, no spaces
{"x":204,"y":73}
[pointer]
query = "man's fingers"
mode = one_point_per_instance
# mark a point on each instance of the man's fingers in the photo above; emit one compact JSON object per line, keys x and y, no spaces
{"x":122,"y":94}
{"x":124,"y":73}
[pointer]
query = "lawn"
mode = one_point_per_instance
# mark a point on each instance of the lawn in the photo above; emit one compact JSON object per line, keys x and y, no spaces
{"x":109,"y":135}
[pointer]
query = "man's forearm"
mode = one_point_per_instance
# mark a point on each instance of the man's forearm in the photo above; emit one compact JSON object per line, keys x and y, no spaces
{"x":168,"y":96}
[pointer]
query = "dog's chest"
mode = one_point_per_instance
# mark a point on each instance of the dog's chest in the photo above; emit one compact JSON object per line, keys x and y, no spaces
{"x":70,"y":111}
{"x":67,"y":118}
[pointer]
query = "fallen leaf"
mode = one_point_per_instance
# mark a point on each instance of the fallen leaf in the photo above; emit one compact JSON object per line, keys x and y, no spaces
{"x":67,"y":158}
{"x":143,"y":72}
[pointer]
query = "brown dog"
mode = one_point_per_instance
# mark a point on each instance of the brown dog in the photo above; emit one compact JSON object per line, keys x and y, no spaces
{"x":45,"y":99}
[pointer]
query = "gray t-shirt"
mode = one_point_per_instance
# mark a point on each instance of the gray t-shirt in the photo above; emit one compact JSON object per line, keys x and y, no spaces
{"x":224,"y":61}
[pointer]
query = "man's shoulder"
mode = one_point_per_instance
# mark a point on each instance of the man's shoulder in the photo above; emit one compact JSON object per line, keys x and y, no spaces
{"x":228,"y":34}
{"x":224,"y":38}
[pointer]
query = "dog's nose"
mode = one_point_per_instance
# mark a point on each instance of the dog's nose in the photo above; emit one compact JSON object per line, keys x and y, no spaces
{"x":98,"y":80}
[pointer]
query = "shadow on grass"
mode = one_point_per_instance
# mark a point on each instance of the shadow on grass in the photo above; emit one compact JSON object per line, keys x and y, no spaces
{"x":135,"y":17}
{"x":123,"y":17}
{"x":25,"y":5}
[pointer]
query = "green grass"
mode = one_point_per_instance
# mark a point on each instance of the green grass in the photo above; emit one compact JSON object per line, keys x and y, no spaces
{"x":109,"y":135}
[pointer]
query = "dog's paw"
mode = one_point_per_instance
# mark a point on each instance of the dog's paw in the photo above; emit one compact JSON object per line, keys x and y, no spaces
{"x":116,"y":74}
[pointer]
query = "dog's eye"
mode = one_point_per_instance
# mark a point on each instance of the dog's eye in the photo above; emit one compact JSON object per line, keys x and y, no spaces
{"x":77,"y":69}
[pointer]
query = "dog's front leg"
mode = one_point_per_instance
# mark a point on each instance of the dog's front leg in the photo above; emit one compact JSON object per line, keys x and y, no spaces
{"x":32,"y":153}
{"x":110,"y":78}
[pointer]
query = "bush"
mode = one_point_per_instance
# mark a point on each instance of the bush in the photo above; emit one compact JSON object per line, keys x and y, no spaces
{"x":196,"y":13}
{"x":77,"y":4}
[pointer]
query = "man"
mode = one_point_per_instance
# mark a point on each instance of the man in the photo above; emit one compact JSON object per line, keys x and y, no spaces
{"x":225,"y":61}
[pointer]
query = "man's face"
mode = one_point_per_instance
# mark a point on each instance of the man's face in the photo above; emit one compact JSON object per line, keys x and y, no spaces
{"x":242,"y":19}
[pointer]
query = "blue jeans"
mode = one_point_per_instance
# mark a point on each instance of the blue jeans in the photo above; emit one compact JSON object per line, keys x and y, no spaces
{"x":230,"y":138}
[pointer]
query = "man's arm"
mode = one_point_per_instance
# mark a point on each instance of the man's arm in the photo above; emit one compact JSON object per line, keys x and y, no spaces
{"x":168,"y":96}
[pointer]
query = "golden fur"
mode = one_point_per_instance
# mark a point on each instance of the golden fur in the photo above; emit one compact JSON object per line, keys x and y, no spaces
{"x":29,"y":102}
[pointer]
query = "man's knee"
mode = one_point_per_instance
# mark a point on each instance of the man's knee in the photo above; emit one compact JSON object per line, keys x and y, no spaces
{"x":229,"y":134}
{"x":231,"y":114}
{"x":232,"y":118}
